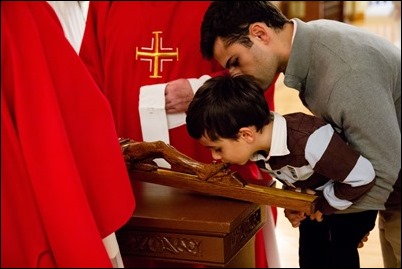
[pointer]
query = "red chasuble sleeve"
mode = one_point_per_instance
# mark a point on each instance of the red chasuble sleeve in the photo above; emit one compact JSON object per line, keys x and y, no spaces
{"x":64,"y":184}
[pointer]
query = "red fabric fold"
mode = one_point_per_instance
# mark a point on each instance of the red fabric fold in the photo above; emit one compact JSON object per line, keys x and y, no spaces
{"x":64,"y":184}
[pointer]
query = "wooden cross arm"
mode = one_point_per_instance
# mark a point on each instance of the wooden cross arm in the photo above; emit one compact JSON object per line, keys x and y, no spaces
{"x":259,"y":194}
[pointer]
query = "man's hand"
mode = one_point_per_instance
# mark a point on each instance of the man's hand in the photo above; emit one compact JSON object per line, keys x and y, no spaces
{"x":178,"y":95}
{"x":295,"y":217}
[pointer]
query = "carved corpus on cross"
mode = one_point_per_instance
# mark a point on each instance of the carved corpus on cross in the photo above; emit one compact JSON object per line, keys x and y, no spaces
{"x":215,"y":178}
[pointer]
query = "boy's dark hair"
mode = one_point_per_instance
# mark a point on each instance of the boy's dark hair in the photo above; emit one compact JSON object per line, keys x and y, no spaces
{"x":224,"y":104}
{"x":230,"y":20}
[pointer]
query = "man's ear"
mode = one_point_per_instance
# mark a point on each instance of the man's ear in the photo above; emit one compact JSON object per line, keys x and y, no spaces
{"x":247,"y":134}
{"x":259,"y":31}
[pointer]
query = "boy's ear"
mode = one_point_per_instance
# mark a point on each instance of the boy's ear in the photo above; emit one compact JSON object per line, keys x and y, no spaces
{"x":247,"y":134}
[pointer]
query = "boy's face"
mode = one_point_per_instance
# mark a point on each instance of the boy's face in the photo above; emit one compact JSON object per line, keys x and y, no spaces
{"x":228,"y":150}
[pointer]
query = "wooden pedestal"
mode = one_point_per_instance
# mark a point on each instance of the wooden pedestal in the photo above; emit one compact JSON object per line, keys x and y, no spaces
{"x":172,"y":227}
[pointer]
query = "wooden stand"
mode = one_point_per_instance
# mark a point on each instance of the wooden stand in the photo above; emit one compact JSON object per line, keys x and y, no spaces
{"x":172,"y":227}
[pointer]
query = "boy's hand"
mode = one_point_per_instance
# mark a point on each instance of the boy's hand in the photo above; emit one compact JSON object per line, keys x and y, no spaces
{"x":364,"y":239}
{"x":294,"y":217}
{"x":316,"y":216}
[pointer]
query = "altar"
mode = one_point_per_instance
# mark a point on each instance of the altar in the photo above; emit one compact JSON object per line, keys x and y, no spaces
{"x":173,"y":227}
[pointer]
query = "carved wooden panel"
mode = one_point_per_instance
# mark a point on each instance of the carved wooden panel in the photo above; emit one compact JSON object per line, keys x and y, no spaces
{"x":177,"y":226}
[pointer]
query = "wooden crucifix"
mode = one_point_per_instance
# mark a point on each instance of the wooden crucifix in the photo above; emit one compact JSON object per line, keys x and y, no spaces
{"x":214,"y":179}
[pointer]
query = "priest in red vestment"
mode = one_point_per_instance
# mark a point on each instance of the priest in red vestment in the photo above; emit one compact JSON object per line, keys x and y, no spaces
{"x":64,"y":184}
{"x":135,"y":49}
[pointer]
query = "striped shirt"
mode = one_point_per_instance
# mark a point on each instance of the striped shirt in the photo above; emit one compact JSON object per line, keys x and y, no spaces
{"x":306,"y":152}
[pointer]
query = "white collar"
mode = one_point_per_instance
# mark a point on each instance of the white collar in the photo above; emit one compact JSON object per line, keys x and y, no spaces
{"x":294,"y":29}
{"x":279,"y":145}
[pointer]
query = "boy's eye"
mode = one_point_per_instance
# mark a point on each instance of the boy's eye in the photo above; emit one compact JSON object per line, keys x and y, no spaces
{"x":218,"y":150}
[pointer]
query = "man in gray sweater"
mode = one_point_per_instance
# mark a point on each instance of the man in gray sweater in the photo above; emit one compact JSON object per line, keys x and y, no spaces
{"x":345,"y":75}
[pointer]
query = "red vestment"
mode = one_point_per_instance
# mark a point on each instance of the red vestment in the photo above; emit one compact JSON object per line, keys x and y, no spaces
{"x":64,"y":184}
{"x":127,"y":45}
{"x":116,"y":41}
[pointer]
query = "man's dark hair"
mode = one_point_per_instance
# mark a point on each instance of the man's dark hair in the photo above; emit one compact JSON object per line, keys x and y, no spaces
{"x":230,"y":20}
{"x":224,"y":104}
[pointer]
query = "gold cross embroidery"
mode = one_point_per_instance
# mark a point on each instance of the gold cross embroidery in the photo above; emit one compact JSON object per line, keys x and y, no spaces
{"x":156,"y":55}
